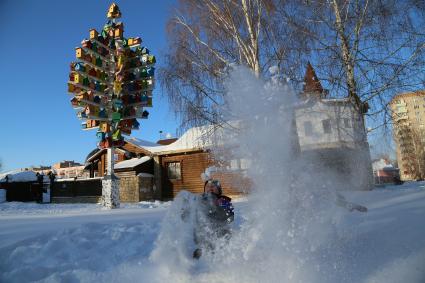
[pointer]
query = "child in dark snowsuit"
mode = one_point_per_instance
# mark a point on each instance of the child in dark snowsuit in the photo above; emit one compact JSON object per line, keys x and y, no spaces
{"x":214,"y":215}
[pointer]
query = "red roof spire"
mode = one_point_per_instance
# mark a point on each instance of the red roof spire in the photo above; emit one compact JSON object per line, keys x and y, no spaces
{"x":311,"y":82}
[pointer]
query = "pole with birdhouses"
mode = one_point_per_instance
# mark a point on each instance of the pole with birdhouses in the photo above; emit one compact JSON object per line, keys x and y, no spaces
{"x":111,"y":83}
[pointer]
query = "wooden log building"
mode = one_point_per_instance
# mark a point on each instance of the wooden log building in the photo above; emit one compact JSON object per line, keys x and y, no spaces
{"x":174,"y":164}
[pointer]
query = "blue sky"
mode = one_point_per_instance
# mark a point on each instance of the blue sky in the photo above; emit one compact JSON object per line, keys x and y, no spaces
{"x":38,"y":124}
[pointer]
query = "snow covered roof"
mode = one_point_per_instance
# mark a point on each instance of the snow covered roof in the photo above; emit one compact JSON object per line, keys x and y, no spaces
{"x":194,"y":138}
{"x":18,"y":176}
{"x":382,"y":164}
{"x":141,"y":143}
{"x":131,"y":163}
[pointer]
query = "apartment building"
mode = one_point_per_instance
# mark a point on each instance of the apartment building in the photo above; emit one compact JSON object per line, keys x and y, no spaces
{"x":408,"y":115}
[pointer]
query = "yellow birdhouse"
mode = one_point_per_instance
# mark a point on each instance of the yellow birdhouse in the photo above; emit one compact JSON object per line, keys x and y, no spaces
{"x":104,"y":127}
{"x":78,"y":78}
{"x":79,"y":52}
{"x":93,"y":34}
{"x":134,"y":41}
{"x":114,"y":11}
{"x":119,"y":30}
{"x":71,"y":87}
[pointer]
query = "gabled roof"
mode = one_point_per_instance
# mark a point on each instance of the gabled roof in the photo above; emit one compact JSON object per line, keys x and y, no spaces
{"x":196,"y":138}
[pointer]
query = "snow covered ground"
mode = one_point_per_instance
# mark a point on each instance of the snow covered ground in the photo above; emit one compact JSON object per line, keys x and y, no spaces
{"x":84,"y":243}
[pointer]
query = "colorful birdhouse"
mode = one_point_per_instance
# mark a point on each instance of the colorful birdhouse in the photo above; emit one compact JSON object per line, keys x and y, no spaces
{"x":93,"y":72}
{"x":144,"y":59}
{"x":100,"y":136}
{"x":117,"y":103}
{"x":151,"y":71}
{"x":134,"y":41}
{"x":116,"y":135}
{"x":102,"y":113}
{"x":116,"y":117}
{"x":86,"y":44}
{"x":91,"y":123}
{"x":104,"y":127}
{"x":144,"y":50}
{"x":151,"y":59}
{"x":119,"y":30}
{"x":94,"y":34}
{"x":94,"y":47}
{"x":143,"y":73}
{"x":71,"y":88}
{"x":144,"y":98}
{"x":81,"y":115}
{"x":88,"y":110}
{"x":74,"y":102}
{"x":79,"y":53}
{"x":99,"y":62}
{"x":86,"y":82}
{"x":135,"y":124}
{"x":72,"y":66}
{"x":113,"y":12}
{"x":80,"y":67}
{"x":78,"y":78}
{"x":106,"y":143}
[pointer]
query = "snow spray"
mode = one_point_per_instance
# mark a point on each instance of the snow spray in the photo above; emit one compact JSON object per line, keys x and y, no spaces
{"x":287,"y":232}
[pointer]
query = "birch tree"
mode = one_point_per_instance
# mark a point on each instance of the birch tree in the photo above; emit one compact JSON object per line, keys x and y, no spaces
{"x":362,"y":49}
{"x":207,"y":36}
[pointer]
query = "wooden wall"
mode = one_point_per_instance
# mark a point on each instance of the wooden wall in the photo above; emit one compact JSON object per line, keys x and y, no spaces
{"x":193,"y":164}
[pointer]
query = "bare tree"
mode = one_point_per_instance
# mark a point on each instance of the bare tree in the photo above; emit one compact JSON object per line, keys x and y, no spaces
{"x":366,"y":50}
{"x":362,"y":49}
{"x":207,"y":36}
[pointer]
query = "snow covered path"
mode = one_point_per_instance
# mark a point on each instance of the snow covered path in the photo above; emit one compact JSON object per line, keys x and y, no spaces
{"x":83,"y":243}
{"x":17,"y":228}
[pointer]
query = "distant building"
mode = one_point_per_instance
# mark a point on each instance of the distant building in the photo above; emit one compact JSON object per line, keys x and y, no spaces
{"x":69,"y":169}
{"x":332,"y":135}
{"x":408,"y":115}
{"x":384,"y":172}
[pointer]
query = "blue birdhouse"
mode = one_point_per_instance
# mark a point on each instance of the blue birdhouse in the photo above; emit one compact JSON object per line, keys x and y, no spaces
{"x":144,"y":98}
{"x":135,"y":124}
{"x":145,"y":114}
{"x":80,"y":67}
{"x":145,"y":50}
{"x":102,"y":113}
{"x":100,"y":136}
{"x":117,"y":104}
{"x":151,"y":71}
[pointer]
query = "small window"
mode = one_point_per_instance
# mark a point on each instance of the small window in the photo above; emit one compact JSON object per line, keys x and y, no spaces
{"x":347,"y":123}
{"x":327,"y":126}
{"x":174,"y":171}
{"x":308,"y":128}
